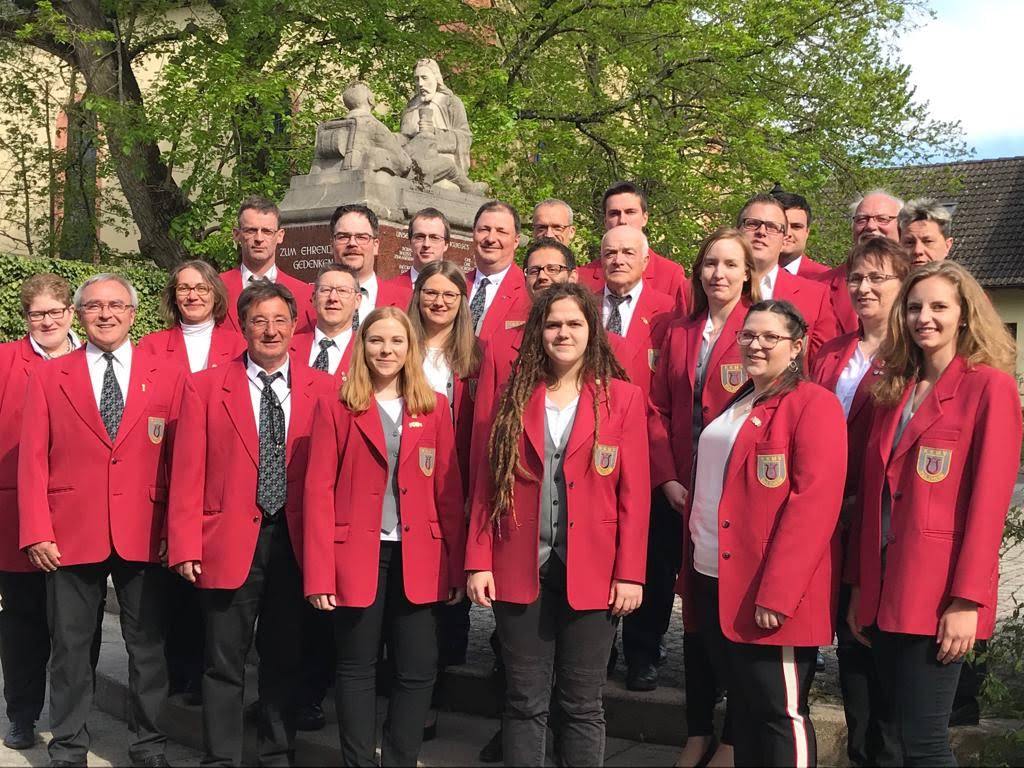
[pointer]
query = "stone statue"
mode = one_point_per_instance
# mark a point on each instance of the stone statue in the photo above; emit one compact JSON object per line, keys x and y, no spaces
{"x":359,"y":141}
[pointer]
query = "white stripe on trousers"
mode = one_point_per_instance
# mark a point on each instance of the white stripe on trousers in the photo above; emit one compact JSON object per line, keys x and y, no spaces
{"x":789,"y":674}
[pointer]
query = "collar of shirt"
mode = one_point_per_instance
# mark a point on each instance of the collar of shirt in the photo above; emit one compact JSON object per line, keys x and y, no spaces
{"x":270,"y":274}
{"x":122,"y":355}
{"x":253,"y":371}
{"x":72,"y":338}
{"x":413,"y":275}
{"x":768,"y":282}
{"x":370,"y":286}
{"x":794,"y":266}
{"x":494,"y":281}
{"x":197,"y":329}
{"x":633,"y":294}
{"x":341,"y":341}
{"x":559,"y":419}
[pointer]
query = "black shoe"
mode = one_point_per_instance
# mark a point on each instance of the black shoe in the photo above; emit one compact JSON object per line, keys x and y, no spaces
{"x":492,"y":751}
{"x":819,"y":663}
{"x":965,"y":714}
{"x":430,"y":732}
{"x":193,"y":693}
{"x":253,"y":712}
{"x":154,"y":761}
{"x":21,"y":735}
{"x":613,"y":659}
{"x":310,"y":718}
{"x":642,"y":677}
{"x":662,"y":655}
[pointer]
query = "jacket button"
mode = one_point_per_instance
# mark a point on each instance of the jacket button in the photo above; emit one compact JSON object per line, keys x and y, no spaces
{"x":558,"y":455}
{"x":406,"y":528}
{"x":115,"y":460}
{"x":726,"y":555}
{"x":726,"y":523}
{"x":404,"y":490}
{"x":705,"y":409}
{"x":572,"y":484}
{"x":554,"y":502}
{"x":255,"y":519}
{"x":898,"y":495}
{"x":572,"y":525}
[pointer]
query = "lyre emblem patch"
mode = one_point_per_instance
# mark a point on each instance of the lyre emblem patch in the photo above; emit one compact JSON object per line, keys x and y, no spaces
{"x":155,"y":429}
{"x":427,"y":461}
{"x":933,"y":463}
{"x":771,"y":469}
{"x":733,"y":377}
{"x":605,"y":457}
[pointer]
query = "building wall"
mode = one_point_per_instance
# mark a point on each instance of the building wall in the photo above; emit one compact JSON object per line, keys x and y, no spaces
{"x":1009,"y":302}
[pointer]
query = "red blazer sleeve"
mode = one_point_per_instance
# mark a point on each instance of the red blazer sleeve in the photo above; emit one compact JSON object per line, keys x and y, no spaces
{"x":188,"y":480}
{"x":997,"y":440}
{"x":659,"y":419}
{"x":318,"y":517}
{"x":448,"y":494}
{"x":34,"y":523}
{"x":479,"y":553}
{"x":808,"y":521}
{"x":483,"y":415}
{"x":634,"y":494}
{"x":824,"y":329}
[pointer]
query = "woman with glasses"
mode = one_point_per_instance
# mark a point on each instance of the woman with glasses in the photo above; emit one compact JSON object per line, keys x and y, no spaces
{"x":761,"y":524}
{"x":384,"y":532}
{"x":938,"y":472}
{"x":194,"y":305}
{"x":699,"y":371}
{"x":24,"y":636}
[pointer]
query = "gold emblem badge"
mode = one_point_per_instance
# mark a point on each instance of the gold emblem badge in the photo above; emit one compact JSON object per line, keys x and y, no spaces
{"x":514,"y":324}
{"x":652,"y":359}
{"x":605,"y":457}
{"x":427,"y":461}
{"x":733,"y":376}
{"x":771,"y":469}
{"x":933,"y":463}
{"x":155,"y":430}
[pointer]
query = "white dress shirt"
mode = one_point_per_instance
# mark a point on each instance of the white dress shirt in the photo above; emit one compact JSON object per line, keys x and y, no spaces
{"x":491,"y":289}
{"x":849,"y":380}
{"x":559,"y":420}
{"x":198,"y":338}
{"x":768,"y":283}
{"x":334,"y":354}
{"x":413,"y":275}
{"x":73,"y":344}
{"x":369,"y":301}
{"x":794,"y":266}
{"x":270,"y":274}
{"x":705,"y":345}
{"x":626,"y":308}
{"x":436,"y":369}
{"x":282,"y":388}
{"x":98,"y":368}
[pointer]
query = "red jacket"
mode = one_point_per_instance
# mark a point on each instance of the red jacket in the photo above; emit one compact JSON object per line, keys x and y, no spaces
{"x":777,"y":540}
{"x":951,"y":478}
{"x":213,"y":516}
{"x":608,"y":509}
{"x":839,"y":299}
{"x":670,"y":415}
{"x":399,"y":289}
{"x":811,"y":298}
{"x":226,"y":343}
{"x":76,"y":488}
{"x":638,"y":353}
{"x":345,"y":486}
{"x":302,"y":347}
{"x":17,"y":359}
{"x":810,"y":268}
{"x":303,"y":293}
{"x":663,"y":275}
{"x":511,"y":306}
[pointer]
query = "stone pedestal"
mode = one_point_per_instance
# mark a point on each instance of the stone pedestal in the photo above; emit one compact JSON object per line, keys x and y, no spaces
{"x":311,"y":199}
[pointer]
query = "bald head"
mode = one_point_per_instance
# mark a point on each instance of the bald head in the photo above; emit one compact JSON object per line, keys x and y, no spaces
{"x":624,"y":256}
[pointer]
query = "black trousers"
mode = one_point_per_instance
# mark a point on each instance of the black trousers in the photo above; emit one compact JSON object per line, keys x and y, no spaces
{"x":185,"y":633}
{"x":921,"y":691}
{"x":74,"y":600}
{"x":453,"y":633}
{"x":871,"y":736}
{"x":272,"y":593}
{"x":548,"y":637}
{"x":24,"y":644}
{"x":318,"y":662}
{"x":972,"y":677}
{"x":769,"y":687}
{"x":701,"y":688}
{"x":412,"y":643}
{"x":643,"y":629}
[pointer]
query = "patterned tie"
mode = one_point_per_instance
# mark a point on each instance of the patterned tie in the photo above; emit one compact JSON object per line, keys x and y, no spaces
{"x":476,"y":307}
{"x":614,"y":324}
{"x":111,"y":399}
{"x":355,"y":315}
{"x":321,"y":360}
{"x":271,"y":483}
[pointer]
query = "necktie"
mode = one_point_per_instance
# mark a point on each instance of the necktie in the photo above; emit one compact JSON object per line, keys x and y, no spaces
{"x":271,"y":484}
{"x":111,"y":399}
{"x":321,"y":359}
{"x":355,"y":315}
{"x":476,"y":307}
{"x":614,"y":324}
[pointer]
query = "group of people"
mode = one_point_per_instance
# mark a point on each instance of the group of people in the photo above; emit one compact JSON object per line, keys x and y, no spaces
{"x":337,"y":471}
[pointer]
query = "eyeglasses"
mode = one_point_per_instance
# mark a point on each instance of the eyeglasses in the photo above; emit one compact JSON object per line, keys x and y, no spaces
{"x":551,"y":270}
{"x":344,"y":291}
{"x":875,"y":278}
{"x":264,"y":232}
{"x":766,"y":340}
{"x":423,"y":237}
{"x":183,"y":289}
{"x":37,"y":315}
{"x":881,"y":218}
{"x":114,"y":307}
{"x":360,"y":237}
{"x":540,"y":229}
{"x":432,"y":294}
{"x":771,"y":227}
{"x":262,"y":323}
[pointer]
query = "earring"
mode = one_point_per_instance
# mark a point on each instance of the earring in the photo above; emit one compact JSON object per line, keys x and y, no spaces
{"x":793,"y":366}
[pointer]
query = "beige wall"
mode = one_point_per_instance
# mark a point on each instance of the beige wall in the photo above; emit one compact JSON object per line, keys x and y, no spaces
{"x":1009,"y":302}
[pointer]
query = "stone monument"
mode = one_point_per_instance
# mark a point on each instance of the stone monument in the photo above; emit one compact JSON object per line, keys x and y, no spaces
{"x":358,"y":160}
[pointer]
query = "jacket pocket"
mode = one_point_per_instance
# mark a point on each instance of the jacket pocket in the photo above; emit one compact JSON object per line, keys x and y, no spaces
{"x":435,"y":529}
{"x":341,"y":533}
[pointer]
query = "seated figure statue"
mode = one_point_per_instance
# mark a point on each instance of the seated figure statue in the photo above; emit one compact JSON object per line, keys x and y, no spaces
{"x":359,"y":141}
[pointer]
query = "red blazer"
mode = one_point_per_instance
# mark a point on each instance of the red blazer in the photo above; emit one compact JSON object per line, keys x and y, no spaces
{"x":399,"y":289}
{"x":608,"y":510}
{"x":510,"y":307}
{"x":302,"y":347}
{"x":213,"y":516}
{"x":17,"y":359}
{"x":226,"y":343}
{"x":303,"y":293}
{"x":345,"y":486}
{"x":638,"y":353}
{"x":76,"y":488}
{"x":663,"y":275}
{"x":839,"y":299}
{"x":810,"y":268}
{"x":951,"y":478}
{"x":670,"y":415}
{"x":778,"y":545}
{"x":811,"y":298}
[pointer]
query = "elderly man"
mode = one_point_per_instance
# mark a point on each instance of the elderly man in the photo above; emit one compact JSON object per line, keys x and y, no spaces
{"x":430,"y":235}
{"x":336,"y":299}
{"x":794,"y":258}
{"x":553,"y":218}
{"x":925,"y":230}
{"x":498,"y":298}
{"x":93,"y":472}
{"x":258,"y":235}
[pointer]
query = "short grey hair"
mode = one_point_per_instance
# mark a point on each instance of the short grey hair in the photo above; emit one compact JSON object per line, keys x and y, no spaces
{"x":553,"y":201}
{"x":877,"y":191}
{"x":107,"y":277}
{"x":926,"y":209}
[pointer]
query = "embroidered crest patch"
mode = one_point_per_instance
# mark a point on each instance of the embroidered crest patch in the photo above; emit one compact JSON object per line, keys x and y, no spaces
{"x":427,"y":461}
{"x":155,"y":430}
{"x":605,"y":457}
{"x":733,"y":377}
{"x":652,"y":359}
{"x":771,"y":469}
{"x":933,"y":463}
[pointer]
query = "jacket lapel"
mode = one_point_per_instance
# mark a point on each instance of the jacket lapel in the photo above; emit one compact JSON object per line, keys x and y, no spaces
{"x":238,"y":404}
{"x":930,"y":409}
{"x":753,"y":431}
{"x":582,"y":433}
{"x":727,"y":337}
{"x":224,"y":344}
{"x":533,"y":421}
{"x":77,"y":387}
{"x":413,"y":428}
{"x":303,"y":402}
{"x":140,"y":389}
{"x":639,"y":334}
{"x":369,"y":424}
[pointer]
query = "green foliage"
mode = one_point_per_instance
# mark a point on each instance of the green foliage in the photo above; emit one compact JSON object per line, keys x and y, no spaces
{"x":147,"y":279}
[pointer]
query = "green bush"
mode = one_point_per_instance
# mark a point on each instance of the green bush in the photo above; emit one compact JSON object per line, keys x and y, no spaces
{"x":148,"y":281}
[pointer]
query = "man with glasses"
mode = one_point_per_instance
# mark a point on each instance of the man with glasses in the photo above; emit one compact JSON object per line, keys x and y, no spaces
{"x":96,"y":441}
{"x":430,"y":235}
{"x":553,"y":218}
{"x":336,"y":299}
{"x":234,"y":523}
{"x":355,"y":238}
{"x":763,"y":223}
{"x":258,"y":235}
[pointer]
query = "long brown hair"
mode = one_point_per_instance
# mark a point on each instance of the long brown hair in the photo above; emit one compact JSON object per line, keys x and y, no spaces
{"x":534,"y":366}
{"x":357,"y":391}
{"x":796,"y":327}
{"x":982,"y":338}
{"x":461,"y":351}
{"x":751,"y":287}
{"x":169,"y":311}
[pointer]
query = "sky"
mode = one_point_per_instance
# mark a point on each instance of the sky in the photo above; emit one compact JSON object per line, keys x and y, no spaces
{"x":966,"y":63}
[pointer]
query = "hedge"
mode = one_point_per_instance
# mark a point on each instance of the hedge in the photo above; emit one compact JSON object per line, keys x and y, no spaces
{"x":148,"y":281}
